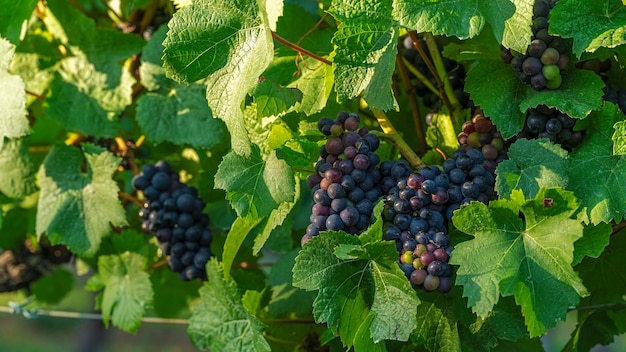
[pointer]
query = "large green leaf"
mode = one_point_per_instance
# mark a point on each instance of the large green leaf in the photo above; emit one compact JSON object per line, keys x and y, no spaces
{"x":91,"y":88}
{"x":220,"y":322}
{"x":510,"y":20}
{"x":255,"y":186}
{"x":173,"y":112}
{"x":127,"y":290}
{"x":522,"y":248}
{"x":597,"y":176}
{"x":13,"y":121}
{"x":227,"y":43}
{"x":353,"y":279}
{"x":18,"y":169}
{"x":77,"y":208}
{"x":14,"y":18}
{"x":532,"y":164}
{"x":365,"y":52}
{"x":592,"y":24}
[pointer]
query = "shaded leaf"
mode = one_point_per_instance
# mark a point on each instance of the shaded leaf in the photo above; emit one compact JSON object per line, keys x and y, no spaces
{"x":77,"y":208}
{"x":220,"y":322}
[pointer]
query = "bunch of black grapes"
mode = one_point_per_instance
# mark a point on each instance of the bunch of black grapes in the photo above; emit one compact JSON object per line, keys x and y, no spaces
{"x":541,"y":64}
{"x":470,"y":177}
{"x":545,"y":122}
{"x":413,"y":217}
{"x":345,"y":185}
{"x":480,"y":132}
{"x":456,"y":76}
{"x":173,"y":213}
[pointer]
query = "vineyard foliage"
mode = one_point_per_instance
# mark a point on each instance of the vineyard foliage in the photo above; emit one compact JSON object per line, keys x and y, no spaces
{"x":229,"y":94}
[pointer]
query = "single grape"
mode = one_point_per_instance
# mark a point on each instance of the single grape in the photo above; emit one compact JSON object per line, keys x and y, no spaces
{"x":431,"y":282}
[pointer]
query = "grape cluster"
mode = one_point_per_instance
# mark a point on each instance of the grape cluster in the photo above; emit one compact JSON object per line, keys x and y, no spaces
{"x":413,"y":217}
{"x":345,"y":185}
{"x":470,"y":178}
{"x":482,"y":133}
{"x":546,"y":55}
{"x":615,"y":96}
{"x":545,"y":122}
{"x":456,"y":76}
{"x":173,"y":213}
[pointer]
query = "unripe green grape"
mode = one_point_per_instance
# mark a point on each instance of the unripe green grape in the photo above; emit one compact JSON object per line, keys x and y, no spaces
{"x":555,"y":83}
{"x":550,"y":72}
{"x":431,"y":282}
{"x":407,"y":258}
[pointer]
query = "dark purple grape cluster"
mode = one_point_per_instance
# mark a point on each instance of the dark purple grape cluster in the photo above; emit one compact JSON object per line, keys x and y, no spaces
{"x":546,"y":55}
{"x":545,"y":122}
{"x":480,"y":132}
{"x":413,"y":218}
{"x":615,"y":96}
{"x":456,"y":76}
{"x":173,"y":213}
{"x":470,"y":179}
{"x":345,"y":185}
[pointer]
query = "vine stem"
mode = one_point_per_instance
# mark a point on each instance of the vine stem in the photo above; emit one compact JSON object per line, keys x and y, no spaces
{"x":300,"y":49}
{"x":432,"y":67}
{"x":415,"y":109}
{"x":38,"y":96}
{"x":128,"y":197}
{"x":392,"y":134}
{"x":94,"y":316}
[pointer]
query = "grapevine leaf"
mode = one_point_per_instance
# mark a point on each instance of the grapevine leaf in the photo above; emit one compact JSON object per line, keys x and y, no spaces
{"x":315,"y":83}
{"x":532,"y":164}
{"x":362,"y":339}
{"x":36,"y":59}
{"x":180,"y":117}
{"x":521,"y":248}
{"x":91,"y":88}
{"x":592,"y":24}
{"x":481,"y":47}
{"x":237,"y":234}
{"x":605,"y":275}
{"x":580,"y":93}
{"x":272,"y":99}
{"x":255,"y":186}
{"x":229,"y":44}
{"x":127,"y":290}
{"x":510,"y":20}
{"x":220,"y":322}
{"x":18,"y":175}
{"x":595,"y":239}
{"x":437,"y":325}
{"x":601,"y":191}
{"x":177,"y":113}
{"x":495,"y":87}
{"x":52,"y":288}
{"x":462,"y":18}
{"x":364,"y":57}
{"x":347,"y":287}
{"x":619,"y":138}
{"x":392,"y":296}
{"x":285,"y":297}
{"x":276,"y":219}
{"x":14,"y":18}
{"x":13,"y":121}
{"x":78,"y":208}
